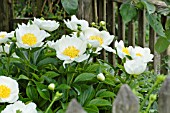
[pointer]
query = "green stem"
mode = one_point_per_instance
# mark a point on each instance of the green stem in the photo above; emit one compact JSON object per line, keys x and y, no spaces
{"x":57,"y":95}
{"x":146,"y":98}
{"x":147,"y":110}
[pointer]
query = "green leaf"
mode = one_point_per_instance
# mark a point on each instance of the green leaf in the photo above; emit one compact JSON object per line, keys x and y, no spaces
{"x":150,"y":7}
{"x":93,"y":68}
{"x":51,"y":74}
{"x":106,"y":94}
{"x":70,"y":6}
{"x":156,"y":25}
{"x":92,"y":109}
{"x":128,"y":12}
{"x":167,"y":33}
{"x":161,"y":44}
{"x":23,"y":77}
{"x":32,"y":92}
{"x":47,"y":61}
{"x":100,"y":102}
{"x":42,"y":90}
{"x":84,"y":77}
{"x":63,"y":86}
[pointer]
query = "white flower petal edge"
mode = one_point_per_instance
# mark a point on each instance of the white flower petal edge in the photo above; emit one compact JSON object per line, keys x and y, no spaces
{"x":12,"y":108}
{"x":4,"y":36}
{"x":73,"y":24}
{"x":48,"y":25}
{"x":71,"y":49}
{"x":135,"y":67}
{"x":99,"y":39}
{"x":142,"y":53}
{"x":9,"y":88}
{"x":30,"y":36}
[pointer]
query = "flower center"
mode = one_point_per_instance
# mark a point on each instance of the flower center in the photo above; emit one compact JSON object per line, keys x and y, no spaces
{"x":4,"y":91}
{"x":71,"y":51}
{"x":2,"y":36}
{"x":99,"y":39}
{"x":29,"y":39}
{"x":126,"y":51}
{"x":138,"y":54}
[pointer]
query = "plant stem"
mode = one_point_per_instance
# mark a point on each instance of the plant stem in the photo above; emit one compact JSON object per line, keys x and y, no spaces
{"x":57,"y":95}
{"x":143,"y":102}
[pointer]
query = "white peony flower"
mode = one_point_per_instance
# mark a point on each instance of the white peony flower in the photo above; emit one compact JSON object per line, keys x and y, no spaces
{"x":48,"y":25}
{"x":8,"y":90}
{"x":20,"y":107}
{"x":4,"y":36}
{"x":99,"y":39}
{"x":51,"y":44}
{"x":122,"y":51}
{"x":71,"y":49}
{"x":6,"y":48}
{"x":29,"y":36}
{"x":142,"y":53}
{"x":73,"y":24}
{"x":135,"y":67}
{"x":101,"y":77}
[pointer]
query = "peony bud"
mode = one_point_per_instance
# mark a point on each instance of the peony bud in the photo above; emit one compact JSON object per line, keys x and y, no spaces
{"x":102,"y":23}
{"x":51,"y":86}
{"x":101,"y":77}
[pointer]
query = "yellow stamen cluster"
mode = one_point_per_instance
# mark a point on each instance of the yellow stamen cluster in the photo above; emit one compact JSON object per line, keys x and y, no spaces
{"x":71,"y":51}
{"x":4,"y":91}
{"x":126,"y":51}
{"x":29,"y":39}
{"x":99,"y":39}
{"x":138,"y":54}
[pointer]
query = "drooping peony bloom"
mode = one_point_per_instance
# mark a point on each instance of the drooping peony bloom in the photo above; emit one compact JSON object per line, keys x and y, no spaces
{"x":19,"y":107}
{"x":29,"y":36}
{"x":74,"y":23}
{"x":99,"y":39}
{"x":8,"y":90}
{"x":122,"y":51}
{"x":4,"y":36}
{"x":101,"y":77}
{"x":135,"y":67}
{"x":142,"y":53}
{"x":71,"y":49}
{"x":48,"y":25}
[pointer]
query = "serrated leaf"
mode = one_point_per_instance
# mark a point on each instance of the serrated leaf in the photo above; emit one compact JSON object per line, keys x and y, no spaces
{"x":70,"y":6}
{"x":84,"y":77}
{"x":156,"y":25}
{"x":100,"y":102}
{"x":128,"y":12}
{"x":161,"y":44}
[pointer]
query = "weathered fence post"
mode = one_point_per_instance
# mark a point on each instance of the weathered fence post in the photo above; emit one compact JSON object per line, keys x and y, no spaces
{"x":126,"y":101}
{"x":75,"y":107}
{"x":4,"y":15}
{"x":85,"y":10}
{"x":164,"y":97}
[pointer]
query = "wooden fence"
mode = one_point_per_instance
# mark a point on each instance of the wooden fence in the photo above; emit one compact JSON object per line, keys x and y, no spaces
{"x":127,"y":102}
{"x":104,"y":10}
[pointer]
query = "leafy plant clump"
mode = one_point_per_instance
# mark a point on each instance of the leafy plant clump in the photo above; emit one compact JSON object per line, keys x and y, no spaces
{"x":46,"y":75}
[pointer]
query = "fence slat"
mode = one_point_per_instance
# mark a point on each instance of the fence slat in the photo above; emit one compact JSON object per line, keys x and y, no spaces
{"x":121,"y":25}
{"x":102,"y":17}
{"x":131,"y":33}
{"x":110,"y":20}
{"x":85,"y":10}
{"x":126,"y":101}
{"x":164,"y":70}
{"x":152,"y":39}
{"x":141,"y":28}
{"x":4,"y":15}
{"x":164,"y":97}
{"x":75,"y":107}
